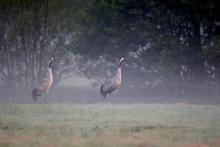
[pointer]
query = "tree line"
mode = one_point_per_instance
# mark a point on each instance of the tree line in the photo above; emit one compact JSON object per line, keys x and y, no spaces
{"x":171,"y":44}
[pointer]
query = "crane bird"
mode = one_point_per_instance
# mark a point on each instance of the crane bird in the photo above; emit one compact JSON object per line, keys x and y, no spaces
{"x":114,"y":83}
{"x":45,"y":84}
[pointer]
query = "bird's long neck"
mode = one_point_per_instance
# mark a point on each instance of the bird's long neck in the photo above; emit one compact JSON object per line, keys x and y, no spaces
{"x":121,"y":61}
{"x":118,"y":74}
{"x":50,"y":74}
{"x":119,"y":65}
{"x":50,"y":64}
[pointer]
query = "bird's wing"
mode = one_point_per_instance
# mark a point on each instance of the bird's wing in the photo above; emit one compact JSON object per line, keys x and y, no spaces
{"x":110,"y":85}
{"x":44,"y":84}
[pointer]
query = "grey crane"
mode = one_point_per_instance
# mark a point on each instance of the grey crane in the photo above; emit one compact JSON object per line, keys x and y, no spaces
{"x":114,"y":83}
{"x":45,"y":84}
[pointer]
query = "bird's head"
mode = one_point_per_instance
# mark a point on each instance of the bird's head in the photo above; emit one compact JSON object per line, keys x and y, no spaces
{"x":51,"y":60}
{"x":121,"y":60}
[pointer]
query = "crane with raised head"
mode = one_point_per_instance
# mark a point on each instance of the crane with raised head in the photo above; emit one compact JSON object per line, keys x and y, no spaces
{"x":113,"y":84}
{"x":45,"y":84}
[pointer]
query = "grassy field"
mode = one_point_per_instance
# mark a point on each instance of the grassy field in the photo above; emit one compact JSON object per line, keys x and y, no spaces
{"x":109,"y":125}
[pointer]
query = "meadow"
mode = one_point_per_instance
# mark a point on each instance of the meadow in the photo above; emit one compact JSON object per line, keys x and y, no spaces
{"x":109,"y":125}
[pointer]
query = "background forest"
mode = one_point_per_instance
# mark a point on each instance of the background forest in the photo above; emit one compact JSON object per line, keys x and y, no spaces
{"x":173,"y":47}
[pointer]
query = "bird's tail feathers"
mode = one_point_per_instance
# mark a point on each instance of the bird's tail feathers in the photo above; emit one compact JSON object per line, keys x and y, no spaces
{"x":102,"y":91}
{"x":35,"y":93}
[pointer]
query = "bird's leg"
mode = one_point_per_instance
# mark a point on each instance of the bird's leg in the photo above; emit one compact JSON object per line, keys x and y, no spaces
{"x":34,"y":100}
{"x":103,"y":103}
{"x":44,"y":100}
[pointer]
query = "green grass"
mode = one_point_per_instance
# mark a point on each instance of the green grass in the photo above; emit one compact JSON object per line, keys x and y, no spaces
{"x":109,"y":125}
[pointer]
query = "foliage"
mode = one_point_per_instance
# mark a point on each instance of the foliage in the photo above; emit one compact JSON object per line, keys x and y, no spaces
{"x":165,"y":41}
{"x":32,"y":32}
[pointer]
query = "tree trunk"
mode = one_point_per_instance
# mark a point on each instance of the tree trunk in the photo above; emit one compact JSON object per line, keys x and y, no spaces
{"x":197,"y":59}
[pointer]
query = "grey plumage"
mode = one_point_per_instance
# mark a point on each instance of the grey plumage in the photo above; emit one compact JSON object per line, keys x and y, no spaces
{"x":114,"y":83}
{"x":108,"y":88}
{"x":35,"y":93}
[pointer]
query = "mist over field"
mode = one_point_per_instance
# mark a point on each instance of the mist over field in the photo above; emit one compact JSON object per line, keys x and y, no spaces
{"x":79,"y":89}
